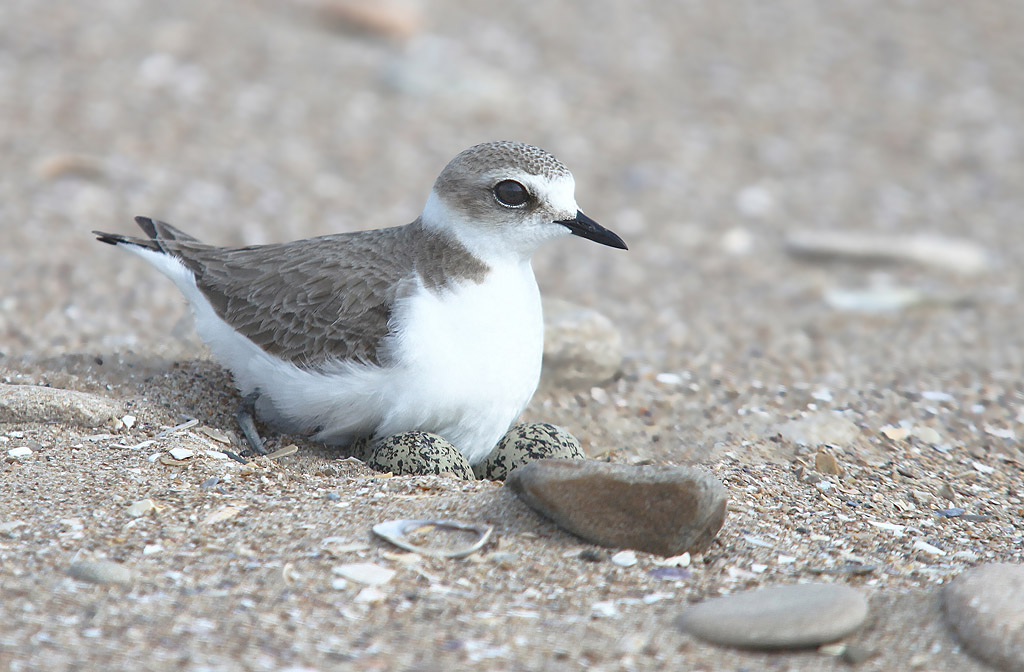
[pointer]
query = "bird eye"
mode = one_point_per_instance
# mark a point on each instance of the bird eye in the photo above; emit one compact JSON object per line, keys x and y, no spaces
{"x":511,"y":194}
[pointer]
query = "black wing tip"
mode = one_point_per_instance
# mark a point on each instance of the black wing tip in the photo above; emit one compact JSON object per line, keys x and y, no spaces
{"x":109,"y":238}
{"x":147,"y":225}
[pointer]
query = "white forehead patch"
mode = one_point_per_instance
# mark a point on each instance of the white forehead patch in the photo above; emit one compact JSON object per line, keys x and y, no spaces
{"x":559,"y":192}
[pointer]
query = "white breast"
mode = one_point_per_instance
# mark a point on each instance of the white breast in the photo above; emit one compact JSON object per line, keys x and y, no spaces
{"x":467,"y":360}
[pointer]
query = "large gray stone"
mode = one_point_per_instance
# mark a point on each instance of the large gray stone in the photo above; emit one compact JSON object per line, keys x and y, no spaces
{"x":34,"y":403}
{"x":658,"y":509}
{"x":780,"y":617}
{"x":984,"y":606}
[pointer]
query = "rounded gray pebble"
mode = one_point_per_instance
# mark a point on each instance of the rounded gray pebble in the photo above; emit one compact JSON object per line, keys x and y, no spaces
{"x":653,"y":508}
{"x":101,"y":571}
{"x":417,"y":453}
{"x":780,"y":617}
{"x":983,"y":608}
{"x":527,"y":443}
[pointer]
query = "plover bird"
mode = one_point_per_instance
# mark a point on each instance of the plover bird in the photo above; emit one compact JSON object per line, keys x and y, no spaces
{"x":433,"y":326}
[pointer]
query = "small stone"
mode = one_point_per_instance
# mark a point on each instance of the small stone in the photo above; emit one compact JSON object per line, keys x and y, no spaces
{"x":895,"y":433}
{"x":983,"y":608}
{"x":366,"y":573}
{"x":825,"y":463}
{"x":927,"y":435}
{"x":20,"y":451}
{"x":925,"y":547}
{"x":100,"y":571}
{"x":140,"y":508}
{"x":181,"y":453}
{"x":582,"y":347}
{"x":669,"y":379}
{"x":605,"y":609}
{"x":416,"y":453}
{"x":624,"y":558}
{"x":877,"y":299}
{"x":384,"y":18}
{"x":657,"y":509}
{"x":56,"y":166}
{"x":129,"y":421}
{"x":945,"y":491}
{"x":34,"y":403}
{"x":820,"y":428}
{"x":221,"y":514}
{"x":780,"y":617}
{"x":956,"y":254}
{"x":524,"y":444}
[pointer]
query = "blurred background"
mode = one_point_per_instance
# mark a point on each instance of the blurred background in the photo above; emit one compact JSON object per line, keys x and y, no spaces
{"x":720,"y":139}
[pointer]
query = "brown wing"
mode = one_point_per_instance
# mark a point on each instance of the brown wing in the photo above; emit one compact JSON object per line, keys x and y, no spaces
{"x":309,"y":301}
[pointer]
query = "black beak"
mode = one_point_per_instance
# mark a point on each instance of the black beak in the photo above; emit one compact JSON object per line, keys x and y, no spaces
{"x":585,"y":227}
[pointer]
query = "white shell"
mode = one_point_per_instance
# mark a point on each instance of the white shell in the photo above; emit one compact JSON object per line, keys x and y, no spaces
{"x":397,"y":531}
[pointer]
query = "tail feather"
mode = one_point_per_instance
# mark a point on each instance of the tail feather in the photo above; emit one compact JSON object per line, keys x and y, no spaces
{"x":118,"y":239}
{"x":158,"y":232}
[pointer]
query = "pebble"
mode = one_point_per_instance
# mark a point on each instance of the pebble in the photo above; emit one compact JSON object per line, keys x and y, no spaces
{"x":34,"y":403}
{"x":61,"y":165}
{"x":181,"y":453}
{"x":379,"y":19}
{"x":820,"y":428}
{"x":825,"y":463}
{"x":624,"y":558}
{"x":101,"y":571}
{"x":779,"y":617}
{"x":416,"y":453}
{"x":876,"y":299}
{"x":140,"y":508}
{"x":524,"y":444}
{"x":365,"y":573}
{"x":657,"y":509}
{"x":20,"y":451}
{"x":983,"y":608}
{"x":955,"y":254}
{"x":582,"y":347}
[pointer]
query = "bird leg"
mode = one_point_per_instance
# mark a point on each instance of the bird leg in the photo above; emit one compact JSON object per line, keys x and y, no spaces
{"x":244,"y":415}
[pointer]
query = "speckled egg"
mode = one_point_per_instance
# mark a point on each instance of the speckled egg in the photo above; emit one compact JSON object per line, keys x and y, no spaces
{"x":416,"y":453}
{"x":526,"y":443}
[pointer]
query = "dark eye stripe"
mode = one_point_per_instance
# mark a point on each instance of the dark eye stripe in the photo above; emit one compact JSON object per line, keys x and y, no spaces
{"x":511,"y":194}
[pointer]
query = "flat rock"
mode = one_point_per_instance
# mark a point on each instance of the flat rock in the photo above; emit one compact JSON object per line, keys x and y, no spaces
{"x":658,"y":509}
{"x":983,"y":606}
{"x":780,"y":617}
{"x":819,"y":428}
{"x":582,"y":347}
{"x":101,"y":571}
{"x":415,"y":453}
{"x":527,"y":443}
{"x":37,"y":404}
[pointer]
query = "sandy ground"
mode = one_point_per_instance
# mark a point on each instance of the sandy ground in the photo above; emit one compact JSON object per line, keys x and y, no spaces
{"x":704,"y":133}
